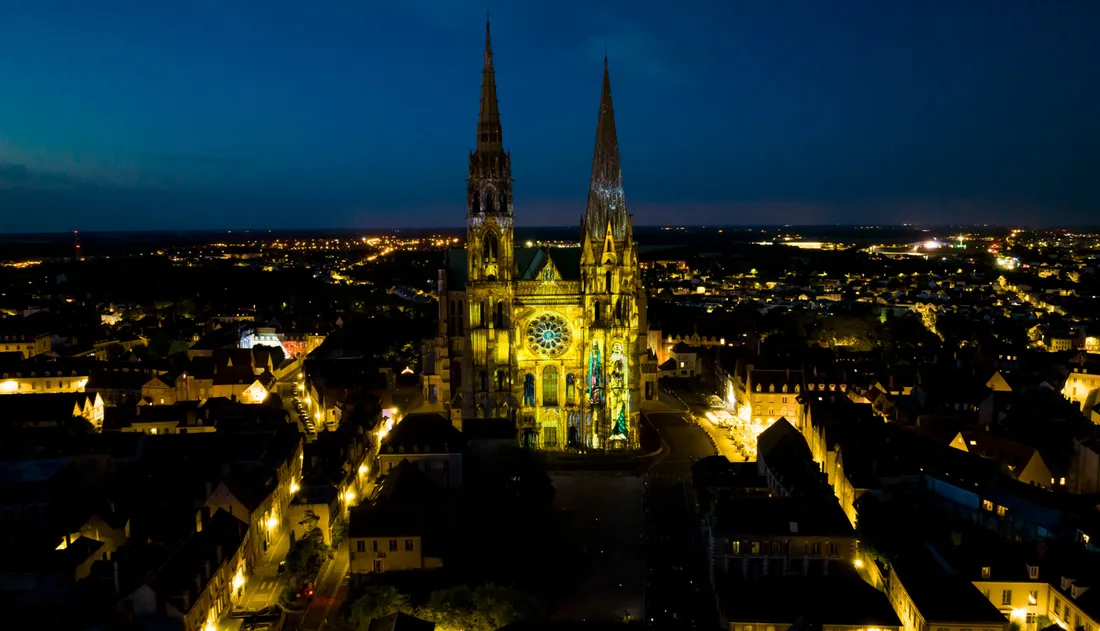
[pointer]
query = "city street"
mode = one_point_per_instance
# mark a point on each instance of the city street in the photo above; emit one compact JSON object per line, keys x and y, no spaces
{"x":263,"y":587}
{"x":693,"y":405}
{"x":332,"y":589}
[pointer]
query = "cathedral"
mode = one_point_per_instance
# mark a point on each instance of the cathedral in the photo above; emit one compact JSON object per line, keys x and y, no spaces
{"x":553,"y":339}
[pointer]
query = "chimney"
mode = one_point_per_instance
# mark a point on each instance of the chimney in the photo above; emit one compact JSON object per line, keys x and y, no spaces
{"x":115,"y":570}
{"x":221,"y":553}
{"x":209,"y":489}
{"x":185,"y":596}
{"x":206,"y":566}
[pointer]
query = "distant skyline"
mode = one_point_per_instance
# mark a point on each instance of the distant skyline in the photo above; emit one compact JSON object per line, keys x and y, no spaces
{"x":129,"y":115}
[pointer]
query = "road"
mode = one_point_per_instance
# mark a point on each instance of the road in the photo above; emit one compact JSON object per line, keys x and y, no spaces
{"x":332,"y":589}
{"x":677,"y":588}
{"x":696,"y":409}
{"x":264,"y":587}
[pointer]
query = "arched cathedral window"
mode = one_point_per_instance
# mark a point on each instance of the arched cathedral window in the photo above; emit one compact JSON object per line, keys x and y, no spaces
{"x":550,"y":385}
{"x":528,"y":389}
{"x":570,"y":388}
{"x":490,"y":248}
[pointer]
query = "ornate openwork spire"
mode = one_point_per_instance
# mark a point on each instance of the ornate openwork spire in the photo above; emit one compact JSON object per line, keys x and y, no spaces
{"x":606,"y":198}
{"x":489,"y":134}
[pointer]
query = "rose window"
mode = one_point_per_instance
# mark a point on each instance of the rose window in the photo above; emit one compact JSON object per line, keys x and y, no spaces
{"x":549,"y":334}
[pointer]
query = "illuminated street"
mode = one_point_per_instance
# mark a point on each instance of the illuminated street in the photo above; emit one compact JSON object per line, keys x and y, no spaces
{"x":724,"y":442}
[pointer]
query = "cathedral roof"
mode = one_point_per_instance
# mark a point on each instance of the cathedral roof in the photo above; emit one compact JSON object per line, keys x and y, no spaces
{"x":530,"y":261}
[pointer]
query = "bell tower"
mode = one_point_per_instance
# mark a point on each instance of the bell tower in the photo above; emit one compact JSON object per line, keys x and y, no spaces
{"x":489,"y":260}
{"x":614,"y":304}
{"x":489,"y":216}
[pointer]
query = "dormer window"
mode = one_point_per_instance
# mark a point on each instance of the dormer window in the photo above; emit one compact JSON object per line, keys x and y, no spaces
{"x":985,"y":572}
{"x":784,"y":388}
{"x":771,"y":388}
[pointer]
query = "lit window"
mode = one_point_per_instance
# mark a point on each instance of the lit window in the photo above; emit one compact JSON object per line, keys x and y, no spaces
{"x":985,"y":572}
{"x":1001,"y":510}
{"x":987,"y":505}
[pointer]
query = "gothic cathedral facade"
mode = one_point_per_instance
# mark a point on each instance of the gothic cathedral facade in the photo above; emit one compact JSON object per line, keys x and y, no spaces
{"x":551,"y":338}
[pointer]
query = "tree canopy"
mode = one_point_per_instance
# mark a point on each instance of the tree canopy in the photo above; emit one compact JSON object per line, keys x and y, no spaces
{"x":485,"y":608}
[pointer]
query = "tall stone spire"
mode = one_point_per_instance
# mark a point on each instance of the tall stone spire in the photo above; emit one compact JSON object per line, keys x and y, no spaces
{"x":606,"y":198}
{"x":489,"y":187}
{"x":489,"y":134}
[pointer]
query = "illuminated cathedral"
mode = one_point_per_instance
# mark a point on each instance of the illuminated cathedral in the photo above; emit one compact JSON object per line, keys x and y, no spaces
{"x":552,"y":338}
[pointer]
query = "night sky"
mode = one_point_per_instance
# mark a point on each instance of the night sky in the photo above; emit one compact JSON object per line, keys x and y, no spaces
{"x":360,"y":113}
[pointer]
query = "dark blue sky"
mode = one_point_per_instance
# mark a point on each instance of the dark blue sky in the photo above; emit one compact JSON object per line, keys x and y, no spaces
{"x":352,"y":113}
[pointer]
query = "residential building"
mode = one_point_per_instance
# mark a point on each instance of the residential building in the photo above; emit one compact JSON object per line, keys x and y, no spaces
{"x":839,"y":602}
{"x":752,"y":536}
{"x":202,"y":581}
{"x":26,"y":344}
{"x":51,"y":410}
{"x":401,"y":529}
{"x":430,"y":442}
{"x":926,"y":595}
